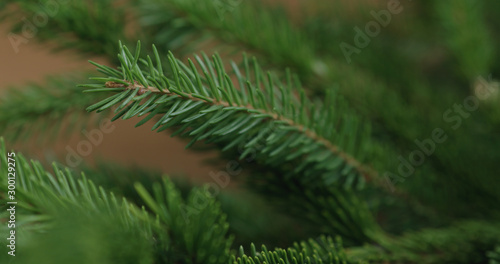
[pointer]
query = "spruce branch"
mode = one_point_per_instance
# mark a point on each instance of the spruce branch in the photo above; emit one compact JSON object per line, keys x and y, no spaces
{"x":323,"y":250}
{"x":197,"y":227}
{"x":366,"y":172}
{"x":196,"y":104}
{"x":315,"y":135}
{"x":51,"y":207}
{"x":58,"y":210}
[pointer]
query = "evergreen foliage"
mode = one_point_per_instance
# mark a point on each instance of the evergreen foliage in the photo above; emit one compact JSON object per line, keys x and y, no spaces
{"x":210,"y":107}
{"x":45,"y":108}
{"x":73,"y":24}
{"x":316,"y":133}
{"x":177,"y":22}
{"x":308,"y":252}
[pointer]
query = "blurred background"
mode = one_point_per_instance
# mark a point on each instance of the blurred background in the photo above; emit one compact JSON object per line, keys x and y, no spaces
{"x":405,"y":67}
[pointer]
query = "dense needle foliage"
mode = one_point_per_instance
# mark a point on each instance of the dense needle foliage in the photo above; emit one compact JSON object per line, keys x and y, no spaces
{"x":327,"y":142}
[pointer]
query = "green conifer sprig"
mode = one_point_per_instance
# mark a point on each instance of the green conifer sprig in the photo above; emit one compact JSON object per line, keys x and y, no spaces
{"x":324,"y":250}
{"x":320,"y":139}
{"x":192,"y":230}
{"x":42,"y":196}
{"x":197,"y":228}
